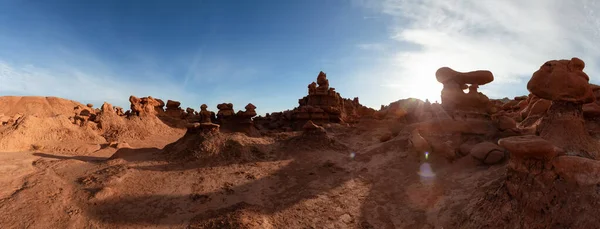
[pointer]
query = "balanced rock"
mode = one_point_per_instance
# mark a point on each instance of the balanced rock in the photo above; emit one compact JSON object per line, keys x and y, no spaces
{"x":453,"y":96}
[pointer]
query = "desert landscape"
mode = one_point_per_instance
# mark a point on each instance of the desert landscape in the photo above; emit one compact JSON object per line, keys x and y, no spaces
{"x":467,"y":162}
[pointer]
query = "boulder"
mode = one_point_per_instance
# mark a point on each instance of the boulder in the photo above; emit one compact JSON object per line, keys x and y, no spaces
{"x":581,"y":170}
{"x":311,"y":128}
{"x":488,"y":153}
{"x":562,"y":80}
{"x":529,"y":146}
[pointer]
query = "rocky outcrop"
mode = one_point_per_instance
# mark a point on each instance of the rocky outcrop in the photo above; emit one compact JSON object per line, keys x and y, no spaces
{"x":453,"y":97}
{"x":174,"y":109}
{"x":146,"y":106}
{"x":322,"y":105}
{"x":235,"y":122}
{"x":566,"y":85}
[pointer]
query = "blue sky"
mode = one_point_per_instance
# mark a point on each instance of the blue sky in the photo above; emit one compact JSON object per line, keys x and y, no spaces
{"x":267,"y":51}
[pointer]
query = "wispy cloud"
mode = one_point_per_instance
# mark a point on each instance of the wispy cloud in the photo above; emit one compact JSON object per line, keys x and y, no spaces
{"x":371,"y":46}
{"x":85,"y":85}
{"x":512,"y":38}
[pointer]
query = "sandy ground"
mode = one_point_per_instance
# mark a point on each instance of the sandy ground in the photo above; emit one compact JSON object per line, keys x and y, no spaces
{"x":367,"y":185}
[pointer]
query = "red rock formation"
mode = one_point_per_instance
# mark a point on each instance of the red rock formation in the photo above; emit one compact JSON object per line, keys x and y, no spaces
{"x":453,"y":97}
{"x":237,"y":122}
{"x":565,"y":83}
{"x":488,"y":153}
{"x":205,"y":115}
{"x":225,"y":111}
{"x":173,"y":109}
{"x":322,"y":105}
{"x":145,"y":105}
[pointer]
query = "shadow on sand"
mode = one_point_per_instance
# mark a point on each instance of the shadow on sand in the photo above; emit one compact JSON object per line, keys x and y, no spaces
{"x":307,"y":177}
{"x":63,"y":157}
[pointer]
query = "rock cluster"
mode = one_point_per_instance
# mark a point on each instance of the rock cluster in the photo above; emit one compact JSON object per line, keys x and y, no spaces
{"x":237,"y":122}
{"x":205,"y":122}
{"x":322,"y":105}
{"x":9,"y":120}
{"x":464,"y":123}
{"x":145,"y":105}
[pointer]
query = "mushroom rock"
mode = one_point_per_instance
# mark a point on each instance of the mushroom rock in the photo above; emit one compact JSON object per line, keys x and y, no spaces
{"x":205,"y":115}
{"x":225,"y":110}
{"x":236,"y":122}
{"x":565,"y":83}
{"x":445,"y":75}
{"x":250,"y":110}
{"x":529,"y":155}
{"x":528,"y":146}
{"x":173,"y":109}
{"x":538,"y":183}
{"x":173,"y":104}
{"x":562,"y":80}
{"x":90,"y":105}
{"x":453,"y":96}
{"x":190,"y":114}
{"x":189,"y":111}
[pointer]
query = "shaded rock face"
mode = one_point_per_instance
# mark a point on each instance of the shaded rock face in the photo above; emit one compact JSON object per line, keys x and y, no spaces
{"x":488,"y":153}
{"x":552,"y":177}
{"x":562,"y":80}
{"x":563,"y":123}
{"x":547,"y":188}
{"x":453,"y":96}
{"x":174,"y":110}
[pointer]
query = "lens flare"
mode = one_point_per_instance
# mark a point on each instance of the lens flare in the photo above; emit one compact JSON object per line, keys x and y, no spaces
{"x":426,"y":155}
{"x":426,"y":171}
{"x":352,"y":155}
